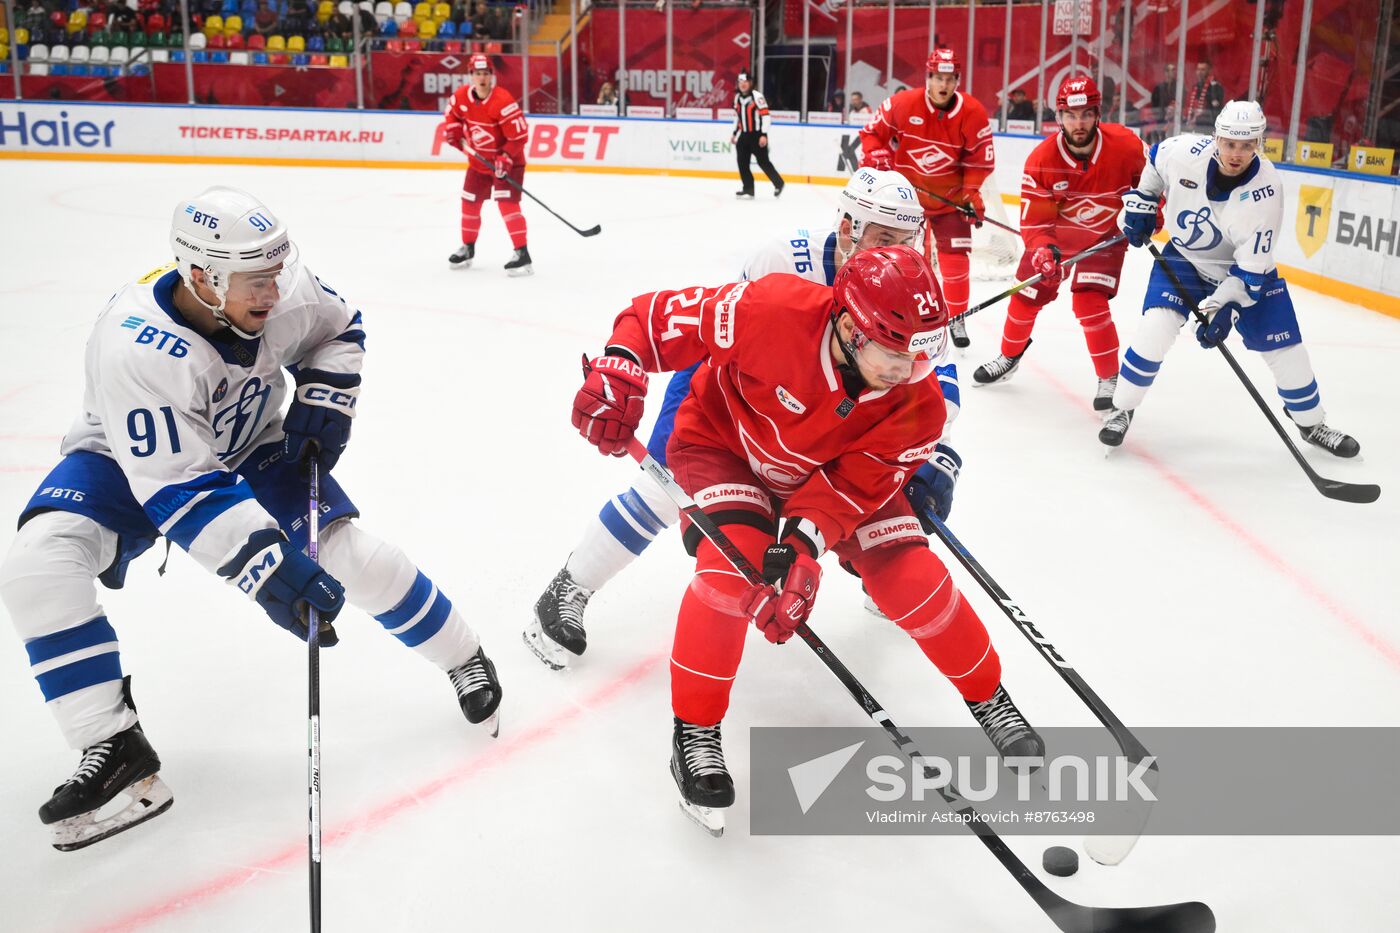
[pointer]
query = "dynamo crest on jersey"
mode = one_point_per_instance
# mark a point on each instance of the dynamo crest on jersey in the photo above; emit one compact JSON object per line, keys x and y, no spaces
{"x":1199,"y":226}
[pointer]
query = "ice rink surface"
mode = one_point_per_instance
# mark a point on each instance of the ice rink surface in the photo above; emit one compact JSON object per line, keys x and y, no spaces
{"x":1193,"y":578}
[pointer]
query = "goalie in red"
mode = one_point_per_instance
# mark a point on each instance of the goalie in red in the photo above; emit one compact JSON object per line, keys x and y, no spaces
{"x":484,"y":121}
{"x":1071,"y":195}
{"x":814,"y":407}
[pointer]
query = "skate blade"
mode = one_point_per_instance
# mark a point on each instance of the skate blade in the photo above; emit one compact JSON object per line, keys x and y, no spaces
{"x":707,"y":818}
{"x":551,"y":653}
{"x":493,"y":725}
{"x":460,"y":265}
{"x":875,"y":610}
{"x":517,"y":273}
{"x":147,"y":798}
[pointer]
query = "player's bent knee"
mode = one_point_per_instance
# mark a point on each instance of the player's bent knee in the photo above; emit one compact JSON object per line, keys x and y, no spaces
{"x":913,"y":587}
{"x":375,"y":573}
{"x":46,"y":579}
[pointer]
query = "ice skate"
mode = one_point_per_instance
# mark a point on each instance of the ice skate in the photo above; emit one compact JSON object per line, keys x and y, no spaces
{"x":1103,"y":395}
{"x":1115,"y":427}
{"x":957,"y":329}
{"x":123,"y":766}
{"x":999,"y":369}
{"x":520,"y":263}
{"x":1007,"y":728}
{"x":463,"y":257}
{"x":478,"y":691}
{"x":1329,"y":439}
{"x":697,"y":764}
{"x":744,"y":195}
{"x":556,"y":632}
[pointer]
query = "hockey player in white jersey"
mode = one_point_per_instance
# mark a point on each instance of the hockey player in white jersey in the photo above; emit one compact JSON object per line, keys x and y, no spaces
{"x":876,"y":208}
{"x":182,"y":434}
{"x":1223,"y":208}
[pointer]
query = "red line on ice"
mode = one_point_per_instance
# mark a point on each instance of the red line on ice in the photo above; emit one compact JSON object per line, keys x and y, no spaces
{"x":1317,"y":594}
{"x":295,"y":854}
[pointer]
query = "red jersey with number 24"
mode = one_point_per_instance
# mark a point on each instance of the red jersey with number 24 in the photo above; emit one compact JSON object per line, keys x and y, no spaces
{"x":772,"y":395}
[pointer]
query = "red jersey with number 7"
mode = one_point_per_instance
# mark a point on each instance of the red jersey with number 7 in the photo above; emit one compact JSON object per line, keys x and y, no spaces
{"x":1073,"y":201}
{"x":772,"y":394}
{"x":948,"y":152}
{"x":490,"y":126}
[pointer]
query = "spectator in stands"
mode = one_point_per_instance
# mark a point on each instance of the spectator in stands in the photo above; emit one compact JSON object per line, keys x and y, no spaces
{"x":339,"y":25}
{"x":122,"y":18}
{"x":1164,"y":95}
{"x":837,"y":104}
{"x":1020,"y":107}
{"x":1206,"y":100}
{"x":297,"y":19}
{"x":485,"y":23}
{"x":858,"y":104}
{"x":607,"y":94}
{"x":1109,"y":89}
{"x":368,"y":24}
{"x":265,"y":19}
{"x":37,"y":16}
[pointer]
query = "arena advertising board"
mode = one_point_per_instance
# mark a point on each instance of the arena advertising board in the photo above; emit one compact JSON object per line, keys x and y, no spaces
{"x":1344,"y":229}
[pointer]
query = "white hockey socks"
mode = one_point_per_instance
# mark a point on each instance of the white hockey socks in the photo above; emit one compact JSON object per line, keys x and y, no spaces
{"x":622,"y":530}
{"x":1143,"y":358}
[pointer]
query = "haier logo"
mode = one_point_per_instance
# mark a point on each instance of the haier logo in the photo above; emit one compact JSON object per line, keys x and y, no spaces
{"x":26,"y":130}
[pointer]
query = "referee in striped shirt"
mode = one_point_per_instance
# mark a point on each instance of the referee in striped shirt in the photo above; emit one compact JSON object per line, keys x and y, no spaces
{"x":750,"y":137}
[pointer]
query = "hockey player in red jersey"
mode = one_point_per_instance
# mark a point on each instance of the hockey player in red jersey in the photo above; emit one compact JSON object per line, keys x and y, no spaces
{"x":1071,"y":194}
{"x":814,"y":405}
{"x":485,"y":120}
{"x":940,"y":140}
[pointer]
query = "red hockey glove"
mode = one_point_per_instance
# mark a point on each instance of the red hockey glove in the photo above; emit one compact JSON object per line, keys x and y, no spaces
{"x":882,"y":160}
{"x":1046,"y":262}
{"x":504,"y":164}
{"x":973,"y":207}
{"x":779,"y":607}
{"x":609,"y":406}
{"x":452,"y":133}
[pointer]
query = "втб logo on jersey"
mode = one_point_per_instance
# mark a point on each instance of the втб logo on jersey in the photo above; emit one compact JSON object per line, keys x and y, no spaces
{"x":1198,"y":227}
{"x":239,"y":422}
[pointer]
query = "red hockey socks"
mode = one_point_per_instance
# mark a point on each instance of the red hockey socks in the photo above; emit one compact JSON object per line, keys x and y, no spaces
{"x":1020,"y":321}
{"x":955,"y":272}
{"x":515,"y":222}
{"x":911,"y":586}
{"x":710,"y":630}
{"x":471,"y":219}
{"x":1099,"y":333}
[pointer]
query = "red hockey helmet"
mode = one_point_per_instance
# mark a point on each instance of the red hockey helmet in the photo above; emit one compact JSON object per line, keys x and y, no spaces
{"x":892,"y":296}
{"x":479,"y":62}
{"x":1078,"y":92}
{"x":944,"y":62}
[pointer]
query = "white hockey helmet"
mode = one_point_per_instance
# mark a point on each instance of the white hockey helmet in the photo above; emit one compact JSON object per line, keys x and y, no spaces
{"x":222,"y":231}
{"x":1242,"y":120}
{"x":880,"y":197}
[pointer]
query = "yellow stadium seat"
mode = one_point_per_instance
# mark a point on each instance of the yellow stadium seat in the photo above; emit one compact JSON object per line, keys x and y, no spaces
{"x":295,"y":44}
{"x":4,"y":35}
{"x":276,"y":43}
{"x":4,"y":53}
{"x":422,"y":11}
{"x":233,"y":25}
{"x":340,"y":61}
{"x":442,"y":11}
{"x":427,"y":29}
{"x":77,"y":21}
{"x":324,"y":11}
{"x":214,"y":25}
{"x":21,"y":36}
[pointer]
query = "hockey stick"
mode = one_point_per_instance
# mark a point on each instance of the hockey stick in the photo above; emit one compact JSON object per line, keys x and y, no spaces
{"x":966,"y":210}
{"x":1332,"y":489}
{"x":591,"y":231}
{"x":1106,"y":850}
{"x":1077,"y":257}
{"x":1189,"y":917}
{"x":313,"y":731}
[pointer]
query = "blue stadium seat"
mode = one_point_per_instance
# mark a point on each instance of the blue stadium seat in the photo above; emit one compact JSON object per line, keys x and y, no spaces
{"x":230,"y":6}
{"x":140,"y":70}
{"x":316,"y":44}
{"x":218,"y":57}
{"x":177,"y":56}
{"x":301,"y":59}
{"x":448,"y":30}
{"x":199,"y":58}
{"x":466,"y":28}
{"x":81,"y":71}
{"x":259,"y":58}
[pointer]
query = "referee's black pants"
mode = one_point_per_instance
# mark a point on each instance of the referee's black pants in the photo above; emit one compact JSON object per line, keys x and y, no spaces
{"x":747,"y":147}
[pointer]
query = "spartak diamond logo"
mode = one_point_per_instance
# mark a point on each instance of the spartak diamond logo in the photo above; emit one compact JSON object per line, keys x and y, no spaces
{"x":451,"y":62}
{"x":742,"y":40}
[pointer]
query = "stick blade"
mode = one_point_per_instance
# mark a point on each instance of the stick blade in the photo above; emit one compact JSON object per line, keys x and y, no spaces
{"x":1348,"y":492}
{"x":1190,"y":917}
{"x":592,"y":231}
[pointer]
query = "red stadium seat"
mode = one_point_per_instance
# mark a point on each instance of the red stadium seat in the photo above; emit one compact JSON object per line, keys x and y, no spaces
{"x":257,"y":42}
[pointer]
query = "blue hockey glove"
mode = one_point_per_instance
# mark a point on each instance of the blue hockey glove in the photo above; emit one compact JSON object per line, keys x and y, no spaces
{"x":285,"y":582}
{"x":1223,"y":307}
{"x":320,"y":416}
{"x":1139,"y":216}
{"x":930,"y":492}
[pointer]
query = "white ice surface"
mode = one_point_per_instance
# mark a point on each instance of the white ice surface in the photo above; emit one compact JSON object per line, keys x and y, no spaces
{"x":1194,"y":578}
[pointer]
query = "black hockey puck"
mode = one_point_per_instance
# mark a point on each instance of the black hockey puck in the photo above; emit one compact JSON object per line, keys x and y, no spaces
{"x":1060,"y":861}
